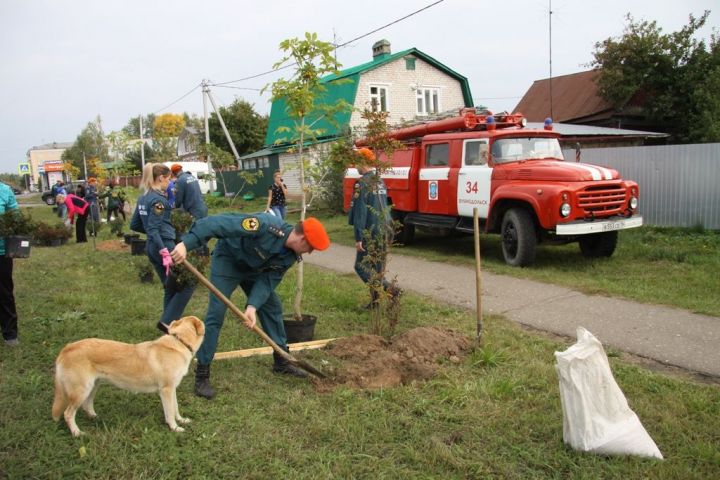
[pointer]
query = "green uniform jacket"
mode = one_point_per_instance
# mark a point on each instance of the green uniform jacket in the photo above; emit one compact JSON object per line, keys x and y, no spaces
{"x":369,"y":208}
{"x":249,"y":247}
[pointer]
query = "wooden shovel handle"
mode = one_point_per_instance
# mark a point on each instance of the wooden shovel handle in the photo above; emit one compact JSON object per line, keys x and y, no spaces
{"x":236,"y":310}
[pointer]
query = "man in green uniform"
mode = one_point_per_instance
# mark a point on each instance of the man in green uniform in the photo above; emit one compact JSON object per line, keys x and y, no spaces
{"x":373,"y":229}
{"x":254,"y":252}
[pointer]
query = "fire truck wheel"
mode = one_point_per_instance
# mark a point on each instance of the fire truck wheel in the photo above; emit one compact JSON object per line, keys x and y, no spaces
{"x":598,"y":245}
{"x":518,"y":238}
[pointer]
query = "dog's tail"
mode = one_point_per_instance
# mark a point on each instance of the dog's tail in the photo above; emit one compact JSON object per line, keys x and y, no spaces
{"x":59,"y":400}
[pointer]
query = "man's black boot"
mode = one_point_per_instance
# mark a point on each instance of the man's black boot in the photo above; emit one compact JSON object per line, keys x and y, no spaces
{"x":283,"y":366}
{"x":202,"y":382}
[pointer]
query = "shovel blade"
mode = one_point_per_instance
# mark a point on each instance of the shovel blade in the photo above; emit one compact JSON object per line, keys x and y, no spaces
{"x":307,"y":367}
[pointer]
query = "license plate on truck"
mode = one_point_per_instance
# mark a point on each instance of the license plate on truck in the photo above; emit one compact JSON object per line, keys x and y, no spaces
{"x":598,"y":226}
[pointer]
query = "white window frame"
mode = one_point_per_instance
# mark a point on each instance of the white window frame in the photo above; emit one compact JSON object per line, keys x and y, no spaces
{"x":421,"y":96}
{"x":377,"y":96}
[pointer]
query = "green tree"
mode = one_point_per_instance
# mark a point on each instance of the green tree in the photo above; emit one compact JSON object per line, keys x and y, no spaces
{"x":311,"y":60}
{"x":247,"y":128}
{"x":675,"y":74}
{"x":90,"y":142}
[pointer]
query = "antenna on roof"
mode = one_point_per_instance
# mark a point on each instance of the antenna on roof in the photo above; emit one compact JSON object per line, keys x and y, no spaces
{"x":550,"y":35}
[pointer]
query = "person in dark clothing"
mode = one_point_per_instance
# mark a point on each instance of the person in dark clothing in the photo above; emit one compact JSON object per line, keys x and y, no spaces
{"x":115,"y":201}
{"x":373,"y":229}
{"x":8,"y":312}
{"x":253,"y":252}
{"x":91,"y":196}
{"x":276,"y":195}
{"x":152,"y":217}
{"x":187,"y":193}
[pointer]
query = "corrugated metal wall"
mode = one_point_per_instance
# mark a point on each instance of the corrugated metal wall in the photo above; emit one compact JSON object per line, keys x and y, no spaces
{"x":679,"y":184}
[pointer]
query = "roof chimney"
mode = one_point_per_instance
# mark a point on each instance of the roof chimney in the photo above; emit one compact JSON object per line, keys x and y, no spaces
{"x":380,"y":49}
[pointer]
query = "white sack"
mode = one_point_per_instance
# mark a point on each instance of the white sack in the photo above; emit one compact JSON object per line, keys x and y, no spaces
{"x":596,"y":415}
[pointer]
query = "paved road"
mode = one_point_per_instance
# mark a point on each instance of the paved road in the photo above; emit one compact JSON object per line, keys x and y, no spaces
{"x":669,"y":335}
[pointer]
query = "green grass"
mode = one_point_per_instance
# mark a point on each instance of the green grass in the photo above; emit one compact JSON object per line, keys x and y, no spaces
{"x":670,"y":266}
{"x":496,"y":414}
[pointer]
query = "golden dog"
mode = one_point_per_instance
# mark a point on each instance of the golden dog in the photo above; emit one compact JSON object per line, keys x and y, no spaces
{"x":156,"y":366}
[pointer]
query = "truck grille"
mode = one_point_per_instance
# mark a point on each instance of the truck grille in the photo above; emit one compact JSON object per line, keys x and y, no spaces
{"x":605,"y":199}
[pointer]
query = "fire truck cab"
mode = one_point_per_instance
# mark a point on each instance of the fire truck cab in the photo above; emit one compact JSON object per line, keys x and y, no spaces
{"x":518,"y":180}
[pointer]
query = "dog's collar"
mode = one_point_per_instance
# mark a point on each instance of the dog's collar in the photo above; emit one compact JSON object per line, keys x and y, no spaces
{"x":181,"y":341}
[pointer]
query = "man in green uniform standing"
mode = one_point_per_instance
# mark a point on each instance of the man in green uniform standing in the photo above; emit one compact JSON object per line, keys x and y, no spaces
{"x":187,"y":193}
{"x":253,"y":252}
{"x":373,"y":229}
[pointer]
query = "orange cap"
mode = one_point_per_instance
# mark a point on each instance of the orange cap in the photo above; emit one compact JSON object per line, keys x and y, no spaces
{"x":367,"y":153}
{"x":315,"y":234}
{"x":175,"y":168}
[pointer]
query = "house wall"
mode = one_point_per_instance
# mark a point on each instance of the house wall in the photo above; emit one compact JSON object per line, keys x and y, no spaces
{"x":290,"y":166}
{"x":678,"y":183}
{"x":402,"y":84}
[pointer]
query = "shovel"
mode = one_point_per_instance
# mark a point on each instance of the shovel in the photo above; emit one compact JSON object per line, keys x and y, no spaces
{"x":298,"y":363}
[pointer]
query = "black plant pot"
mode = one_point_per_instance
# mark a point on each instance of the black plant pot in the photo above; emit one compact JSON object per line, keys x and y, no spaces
{"x":301,"y":330}
{"x":17,"y":246}
{"x":137,"y":246}
{"x":129,"y":237}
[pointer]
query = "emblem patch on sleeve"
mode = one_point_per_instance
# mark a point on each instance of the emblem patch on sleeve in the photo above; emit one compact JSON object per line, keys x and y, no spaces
{"x":158,"y":208}
{"x":251,"y":224}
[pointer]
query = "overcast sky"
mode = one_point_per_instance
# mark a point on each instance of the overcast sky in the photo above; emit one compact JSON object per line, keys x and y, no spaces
{"x":66,"y":61}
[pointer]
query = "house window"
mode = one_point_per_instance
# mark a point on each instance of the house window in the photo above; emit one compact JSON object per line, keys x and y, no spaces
{"x":428,"y":100}
{"x":378,"y":98}
{"x":263,"y":162}
{"x":409,"y":63}
{"x":437,"y":155}
{"x":250,"y":164}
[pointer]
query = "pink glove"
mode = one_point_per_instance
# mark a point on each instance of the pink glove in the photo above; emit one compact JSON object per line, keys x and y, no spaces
{"x":167,"y":260}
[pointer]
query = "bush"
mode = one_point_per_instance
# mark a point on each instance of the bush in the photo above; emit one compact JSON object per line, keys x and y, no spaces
{"x":15,"y":222}
{"x":48,"y":234}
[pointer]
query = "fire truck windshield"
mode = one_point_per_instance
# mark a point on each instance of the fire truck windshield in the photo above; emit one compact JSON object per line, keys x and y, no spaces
{"x":507,"y":150}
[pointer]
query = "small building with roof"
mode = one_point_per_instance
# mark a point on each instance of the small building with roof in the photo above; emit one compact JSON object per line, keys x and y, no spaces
{"x":46,"y":165}
{"x":576,"y":100}
{"x":409,"y":84}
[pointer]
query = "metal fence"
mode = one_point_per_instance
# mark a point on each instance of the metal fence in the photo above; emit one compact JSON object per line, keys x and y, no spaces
{"x":679,"y":184}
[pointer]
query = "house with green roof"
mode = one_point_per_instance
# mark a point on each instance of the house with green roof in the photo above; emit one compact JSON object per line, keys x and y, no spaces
{"x":409,"y":85}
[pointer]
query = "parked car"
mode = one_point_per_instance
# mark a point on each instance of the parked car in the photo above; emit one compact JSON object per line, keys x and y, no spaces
{"x":70,"y":187}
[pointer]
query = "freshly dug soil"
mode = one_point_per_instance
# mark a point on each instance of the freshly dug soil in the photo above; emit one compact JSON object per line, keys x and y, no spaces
{"x":370,"y":361}
{"x":113,"y":246}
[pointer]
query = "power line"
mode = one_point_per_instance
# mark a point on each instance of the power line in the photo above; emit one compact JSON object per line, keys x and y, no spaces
{"x":255,"y":76}
{"x":391,"y":23}
{"x":337,"y":46}
{"x":237,"y":88}
{"x":176,"y":101}
{"x":225,"y":84}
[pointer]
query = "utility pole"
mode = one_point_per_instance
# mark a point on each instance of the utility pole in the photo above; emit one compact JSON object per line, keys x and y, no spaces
{"x":205,"y":89}
{"x":85,"y":167}
{"x":142,"y":145}
{"x":222,"y":124}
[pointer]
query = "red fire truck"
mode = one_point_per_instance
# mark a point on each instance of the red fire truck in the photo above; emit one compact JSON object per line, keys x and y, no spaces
{"x":516,"y":177}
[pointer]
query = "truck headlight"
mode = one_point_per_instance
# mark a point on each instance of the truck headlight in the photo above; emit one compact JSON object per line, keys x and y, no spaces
{"x":565,"y":209}
{"x":633,"y":202}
